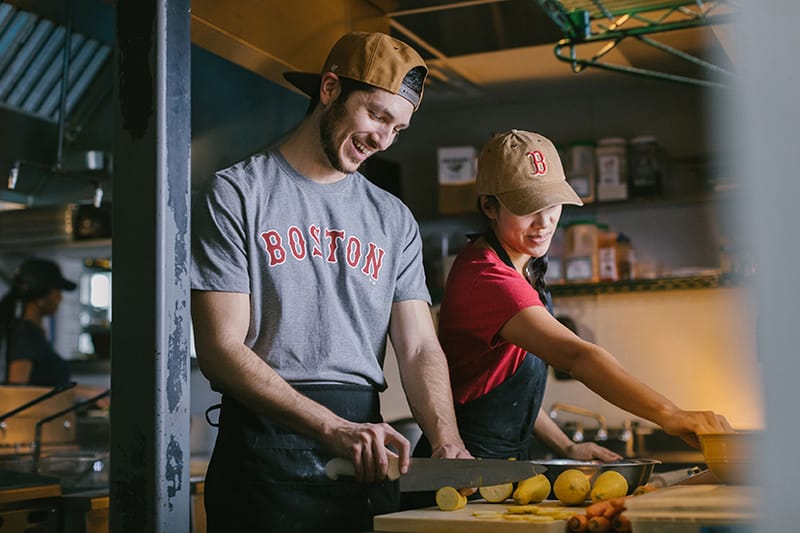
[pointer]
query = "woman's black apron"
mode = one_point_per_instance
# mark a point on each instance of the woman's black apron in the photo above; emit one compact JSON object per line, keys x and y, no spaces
{"x":263,"y":477}
{"x":500,"y":423}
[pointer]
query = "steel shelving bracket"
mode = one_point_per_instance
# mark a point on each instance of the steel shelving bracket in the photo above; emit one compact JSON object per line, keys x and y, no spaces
{"x":586,"y":22}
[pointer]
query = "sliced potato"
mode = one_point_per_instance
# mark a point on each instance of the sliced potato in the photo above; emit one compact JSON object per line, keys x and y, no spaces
{"x":449,"y":499}
{"x":496,"y":493}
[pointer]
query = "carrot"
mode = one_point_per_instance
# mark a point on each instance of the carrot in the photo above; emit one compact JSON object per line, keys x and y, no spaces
{"x":621,"y":523}
{"x":599,"y":508}
{"x":599,"y":524}
{"x":578,"y":523}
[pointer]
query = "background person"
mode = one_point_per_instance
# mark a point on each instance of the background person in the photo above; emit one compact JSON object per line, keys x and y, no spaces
{"x":301,"y":268}
{"x":494,"y":317}
{"x":36,"y":293}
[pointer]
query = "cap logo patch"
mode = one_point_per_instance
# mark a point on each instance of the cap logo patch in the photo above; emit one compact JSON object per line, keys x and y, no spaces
{"x":538,"y":164}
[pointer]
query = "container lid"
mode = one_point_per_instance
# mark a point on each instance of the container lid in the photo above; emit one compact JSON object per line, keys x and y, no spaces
{"x":579,"y":222}
{"x":611,"y":141}
{"x":642,"y":139}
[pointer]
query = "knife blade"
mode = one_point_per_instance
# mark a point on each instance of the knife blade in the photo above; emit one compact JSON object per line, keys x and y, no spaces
{"x":433,"y":474}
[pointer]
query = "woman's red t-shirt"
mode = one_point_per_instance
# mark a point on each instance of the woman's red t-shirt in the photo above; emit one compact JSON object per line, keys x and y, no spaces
{"x":481,"y":295}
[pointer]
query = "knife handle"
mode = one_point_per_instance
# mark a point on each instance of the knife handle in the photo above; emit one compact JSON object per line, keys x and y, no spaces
{"x":342,"y":467}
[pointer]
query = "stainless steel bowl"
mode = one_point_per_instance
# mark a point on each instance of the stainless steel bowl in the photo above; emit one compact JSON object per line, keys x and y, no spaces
{"x":635,"y":471}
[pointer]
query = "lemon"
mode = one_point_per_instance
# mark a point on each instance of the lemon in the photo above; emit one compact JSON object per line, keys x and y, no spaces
{"x":609,"y":484}
{"x":572,"y":487}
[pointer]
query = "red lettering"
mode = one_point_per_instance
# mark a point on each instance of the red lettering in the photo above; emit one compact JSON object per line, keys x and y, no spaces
{"x":316,"y":249}
{"x":297,"y":243}
{"x":353,"y":252}
{"x":273,"y":246}
{"x":538,"y":164}
{"x":334,"y":235}
{"x":373,"y":261}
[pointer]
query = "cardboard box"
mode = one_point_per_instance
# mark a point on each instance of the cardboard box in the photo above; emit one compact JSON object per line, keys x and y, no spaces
{"x":456,"y":199}
{"x":457,"y":164}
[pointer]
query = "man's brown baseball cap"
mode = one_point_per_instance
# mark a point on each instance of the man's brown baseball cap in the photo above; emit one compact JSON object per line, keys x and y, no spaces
{"x":523,"y":170}
{"x":373,"y":58}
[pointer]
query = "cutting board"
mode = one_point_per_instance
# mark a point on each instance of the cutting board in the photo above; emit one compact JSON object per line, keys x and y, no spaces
{"x":432,"y":520}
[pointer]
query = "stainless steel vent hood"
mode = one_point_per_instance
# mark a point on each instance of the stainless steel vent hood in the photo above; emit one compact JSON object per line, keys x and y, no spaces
{"x":38,"y":112}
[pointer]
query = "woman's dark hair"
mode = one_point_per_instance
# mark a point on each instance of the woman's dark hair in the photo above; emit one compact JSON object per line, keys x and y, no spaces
{"x":536,"y":268}
{"x":19,"y":293}
{"x":349,"y":86}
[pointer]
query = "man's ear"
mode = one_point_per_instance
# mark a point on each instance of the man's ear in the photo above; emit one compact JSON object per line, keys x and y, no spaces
{"x":329,"y":88}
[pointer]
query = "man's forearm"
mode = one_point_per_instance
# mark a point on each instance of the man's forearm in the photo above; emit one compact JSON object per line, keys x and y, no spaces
{"x":427,"y":385}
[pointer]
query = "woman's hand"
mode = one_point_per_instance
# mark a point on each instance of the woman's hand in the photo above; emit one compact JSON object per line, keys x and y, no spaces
{"x":586,"y":451}
{"x":688,"y":424}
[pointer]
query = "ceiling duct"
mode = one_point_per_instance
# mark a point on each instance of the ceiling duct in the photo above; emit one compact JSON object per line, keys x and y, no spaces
{"x":45,"y":71}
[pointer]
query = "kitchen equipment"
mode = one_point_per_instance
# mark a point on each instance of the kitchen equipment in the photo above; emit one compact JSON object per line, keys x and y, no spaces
{"x":30,"y":404}
{"x":673,"y":477}
{"x":695,"y":509}
{"x":731,"y":456}
{"x":432,"y":520}
{"x":37,"y":440}
{"x":432,"y":474}
{"x":635,"y":471}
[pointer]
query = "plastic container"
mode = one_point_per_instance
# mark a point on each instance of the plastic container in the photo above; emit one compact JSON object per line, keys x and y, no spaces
{"x":695,"y":509}
{"x":580,"y":254}
{"x":580,"y":171}
{"x":612,"y":169}
{"x":647,"y":166}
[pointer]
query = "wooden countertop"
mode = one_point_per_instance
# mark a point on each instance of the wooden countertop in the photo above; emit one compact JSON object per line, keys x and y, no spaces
{"x":22,"y":486}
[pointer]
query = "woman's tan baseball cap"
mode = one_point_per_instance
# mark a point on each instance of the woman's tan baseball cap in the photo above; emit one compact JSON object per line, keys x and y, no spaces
{"x":373,"y":58}
{"x":523,"y":170}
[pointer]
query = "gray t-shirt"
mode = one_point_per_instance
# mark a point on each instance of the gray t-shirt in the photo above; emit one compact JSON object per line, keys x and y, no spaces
{"x":322,"y":264}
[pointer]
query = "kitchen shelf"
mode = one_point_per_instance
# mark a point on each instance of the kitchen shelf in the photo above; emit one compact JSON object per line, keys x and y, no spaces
{"x":608,"y":23}
{"x":651,"y":285}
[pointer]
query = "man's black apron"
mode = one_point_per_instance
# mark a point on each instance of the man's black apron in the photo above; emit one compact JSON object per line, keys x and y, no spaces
{"x":263,"y":477}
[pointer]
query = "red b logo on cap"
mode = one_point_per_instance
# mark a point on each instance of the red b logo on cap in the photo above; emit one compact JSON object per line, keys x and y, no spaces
{"x":536,"y":159}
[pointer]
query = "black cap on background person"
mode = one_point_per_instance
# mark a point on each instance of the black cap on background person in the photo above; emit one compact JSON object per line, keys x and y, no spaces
{"x":37,"y":275}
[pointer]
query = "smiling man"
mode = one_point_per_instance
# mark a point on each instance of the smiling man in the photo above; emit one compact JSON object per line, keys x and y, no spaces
{"x":301,"y":269}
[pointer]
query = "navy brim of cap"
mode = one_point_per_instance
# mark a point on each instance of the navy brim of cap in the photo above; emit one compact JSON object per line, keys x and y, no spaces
{"x":67,"y":285}
{"x":308,"y":82}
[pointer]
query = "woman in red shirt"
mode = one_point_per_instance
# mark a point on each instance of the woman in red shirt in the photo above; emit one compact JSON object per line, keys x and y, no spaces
{"x":496,"y":315}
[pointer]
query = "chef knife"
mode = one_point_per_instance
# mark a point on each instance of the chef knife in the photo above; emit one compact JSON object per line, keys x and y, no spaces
{"x":433,"y":474}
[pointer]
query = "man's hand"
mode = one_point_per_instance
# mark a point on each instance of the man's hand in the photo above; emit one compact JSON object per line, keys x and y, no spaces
{"x":452,"y":451}
{"x":365,"y":446}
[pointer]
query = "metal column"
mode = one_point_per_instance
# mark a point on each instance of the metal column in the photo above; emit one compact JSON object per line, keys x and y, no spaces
{"x":150,"y":343}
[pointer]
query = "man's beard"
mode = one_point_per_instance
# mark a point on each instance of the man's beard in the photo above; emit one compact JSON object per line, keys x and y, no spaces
{"x":326,"y":126}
